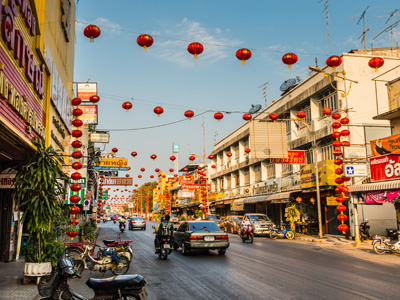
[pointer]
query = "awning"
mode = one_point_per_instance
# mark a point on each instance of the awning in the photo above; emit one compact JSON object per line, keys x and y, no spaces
{"x":280,"y":196}
{"x":376,"y":186}
{"x":255,"y":199}
{"x":238,"y":202}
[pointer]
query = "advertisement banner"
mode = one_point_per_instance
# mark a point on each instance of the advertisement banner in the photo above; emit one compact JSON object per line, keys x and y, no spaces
{"x":388,"y":145}
{"x":326,"y":170}
{"x":89,"y":115}
{"x":85,"y":90}
{"x":112,"y":164}
{"x":186,"y":179}
{"x":193,"y":187}
{"x":118,"y":181}
{"x":294,"y":157}
{"x":185,"y":194}
{"x":99,"y":137}
{"x":382,"y":196}
{"x":385,"y":167}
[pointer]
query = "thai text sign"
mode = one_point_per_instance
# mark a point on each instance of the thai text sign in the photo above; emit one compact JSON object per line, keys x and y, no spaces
{"x":215,"y":196}
{"x":117,"y":181}
{"x":85,"y":90}
{"x":185,"y":194}
{"x":294,"y":157}
{"x":331,"y":201}
{"x":326,"y":170}
{"x":382,"y":196}
{"x":195,"y":187}
{"x":385,"y":167}
{"x":267,"y":187}
{"x":81,"y":181}
{"x":99,"y":137}
{"x":388,"y":145}
{"x":186,"y":179}
{"x":7,"y":181}
{"x":89,"y":115}
{"x":112,"y":164}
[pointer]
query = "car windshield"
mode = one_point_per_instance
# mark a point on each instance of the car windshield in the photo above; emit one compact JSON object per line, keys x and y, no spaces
{"x":203,"y":226}
{"x":259,"y":218}
{"x":138,"y":219}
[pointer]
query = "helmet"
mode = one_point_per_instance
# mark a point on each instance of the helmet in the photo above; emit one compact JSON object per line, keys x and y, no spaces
{"x":167,"y":218}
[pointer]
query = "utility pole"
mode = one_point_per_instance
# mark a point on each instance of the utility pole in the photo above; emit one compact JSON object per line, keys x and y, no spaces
{"x":204,"y":164}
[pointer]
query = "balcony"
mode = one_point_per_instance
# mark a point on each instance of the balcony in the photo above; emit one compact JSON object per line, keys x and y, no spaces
{"x":394,"y":101}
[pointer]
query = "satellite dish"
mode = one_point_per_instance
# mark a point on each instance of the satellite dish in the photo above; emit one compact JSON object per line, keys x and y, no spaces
{"x":287,"y":84}
{"x":254,"y":109}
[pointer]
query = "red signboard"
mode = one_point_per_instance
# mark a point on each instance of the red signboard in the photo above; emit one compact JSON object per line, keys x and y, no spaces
{"x":192,"y":187}
{"x":294,"y":157}
{"x":186,"y":179}
{"x":385,"y":167}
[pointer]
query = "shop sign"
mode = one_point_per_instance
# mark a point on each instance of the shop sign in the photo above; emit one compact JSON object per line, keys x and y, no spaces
{"x":7,"y":181}
{"x":81,"y":193}
{"x":237,"y":207}
{"x":175,"y":148}
{"x":294,"y":157}
{"x":355,"y":152}
{"x":195,"y":187}
{"x":104,"y":197}
{"x":388,"y":145}
{"x":90,"y":114}
{"x":117,"y":181}
{"x":382,"y":196}
{"x":355,"y":170}
{"x":215,"y":196}
{"x":99,"y":137}
{"x":85,"y":90}
{"x":112,"y":164}
{"x":185,"y":194}
{"x":81,"y":181}
{"x":267,"y":187}
{"x":331,"y":201}
{"x":326,"y":170}
{"x":186,"y":179}
{"x":385,"y":167}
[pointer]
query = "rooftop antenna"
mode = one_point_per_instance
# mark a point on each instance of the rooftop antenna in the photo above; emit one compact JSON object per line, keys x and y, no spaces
{"x":264,"y":89}
{"x":392,"y":25}
{"x":326,"y":11}
{"x":362,"y":17}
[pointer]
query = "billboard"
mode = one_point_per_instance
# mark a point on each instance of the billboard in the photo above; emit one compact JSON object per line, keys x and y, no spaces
{"x":192,"y":187}
{"x":112,"y":164}
{"x":382,"y":196}
{"x":99,"y":137}
{"x":185,"y":194}
{"x":175,"y":148}
{"x":118,"y":181}
{"x":85,"y":90}
{"x":186,"y":179}
{"x":90,"y":114}
{"x":326,"y":170}
{"x":385,"y":167}
{"x":388,"y":145}
{"x":294,"y":157}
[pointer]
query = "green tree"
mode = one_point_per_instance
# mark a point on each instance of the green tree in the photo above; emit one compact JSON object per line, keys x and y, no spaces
{"x":292,"y":215}
{"x":39,"y":189}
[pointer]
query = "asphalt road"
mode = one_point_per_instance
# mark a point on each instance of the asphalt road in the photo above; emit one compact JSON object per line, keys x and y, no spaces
{"x":266,"y":269}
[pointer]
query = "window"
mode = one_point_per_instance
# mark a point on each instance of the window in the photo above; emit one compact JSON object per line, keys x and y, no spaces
{"x":235,"y":151}
{"x":287,"y":168}
{"x":307,"y":109}
{"x":246,"y":142}
{"x":257,"y":172}
{"x":270,"y":170}
{"x":288,"y":123}
{"x":327,"y":152}
{"x":221,"y":183}
{"x":328,"y":99}
{"x":309,"y":156}
{"x":246,"y":173}
{"x":236,"y":179}
{"x":228,"y":182}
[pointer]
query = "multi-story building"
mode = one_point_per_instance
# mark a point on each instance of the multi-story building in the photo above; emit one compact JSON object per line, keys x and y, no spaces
{"x":252,"y":182}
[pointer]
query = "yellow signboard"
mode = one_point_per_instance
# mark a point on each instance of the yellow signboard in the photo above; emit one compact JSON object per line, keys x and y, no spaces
{"x":113,"y":162}
{"x":215,"y":196}
{"x":331,"y":201}
{"x":326,"y":170}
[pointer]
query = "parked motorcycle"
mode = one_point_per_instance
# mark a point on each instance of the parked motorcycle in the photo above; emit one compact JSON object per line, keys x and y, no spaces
{"x":364,"y":231}
{"x":122,"y":247}
{"x":109,"y":261}
{"x":381,"y":244}
{"x":285,"y":233}
{"x":56,"y":285}
{"x":246,"y":234}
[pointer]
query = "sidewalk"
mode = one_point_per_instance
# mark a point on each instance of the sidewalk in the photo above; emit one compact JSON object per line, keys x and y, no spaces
{"x":337,"y":240}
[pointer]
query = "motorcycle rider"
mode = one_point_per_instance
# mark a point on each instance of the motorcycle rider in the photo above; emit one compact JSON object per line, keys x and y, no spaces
{"x":165,"y":228}
{"x":245,"y":225}
{"x":121,"y":221}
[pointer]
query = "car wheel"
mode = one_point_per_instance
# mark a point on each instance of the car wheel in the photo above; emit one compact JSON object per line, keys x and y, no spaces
{"x":144,"y":228}
{"x":221,"y":252}
{"x":184,"y":250}
{"x":290,"y":235}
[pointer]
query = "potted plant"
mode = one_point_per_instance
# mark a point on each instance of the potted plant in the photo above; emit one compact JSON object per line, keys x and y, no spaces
{"x":39,"y":190}
{"x":292,"y":215}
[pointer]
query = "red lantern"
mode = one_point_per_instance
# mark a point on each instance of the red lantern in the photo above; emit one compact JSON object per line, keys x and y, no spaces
{"x":115,"y":150}
{"x":336,"y":134}
{"x":199,"y":168}
{"x":345,"y":132}
{"x":341,"y":208}
{"x":344,"y":121}
{"x":345,"y":189}
{"x":76,"y":165}
{"x":127,"y":105}
{"x":94,"y":99}
{"x":175,"y":175}
{"x":344,"y":178}
{"x":77,"y":112}
{"x":336,"y":125}
{"x":229,"y":154}
{"x":189,"y":114}
{"x":338,"y":190}
{"x":158,"y":110}
{"x":74,"y":210}
{"x":243,"y":55}
{"x":77,"y":123}
{"x":301,"y":115}
{"x":247,"y":150}
{"x":327,"y":111}
{"x":336,"y":116}
{"x":76,"y":144}
{"x":213,"y":166}
{"x":133,"y":154}
{"x":72,"y":234}
{"x":340,"y":199}
{"x":77,"y":154}
{"x":192,"y":158}
{"x":172,"y":158}
{"x":218,"y":116}
{"x":337,"y":152}
{"x":76,"y":133}
{"x":76,"y":101}
{"x":342,"y":217}
{"x":339,"y":171}
{"x":153,"y":156}
{"x":273,"y":116}
{"x":98,"y":221}
{"x":171,"y":170}
{"x":74,"y":199}
{"x":144,"y":40}
{"x":337,"y":144}
{"x":211,"y":156}
{"x":346,"y":144}
{"x":136,"y":185}
{"x":339,"y":180}
{"x":157,"y":170}
{"x":142,"y":169}
{"x":76,"y":176}
{"x":343,"y":227}
{"x":139,"y":176}
{"x":247,"y":117}
{"x":289,"y":59}
{"x":151,"y":176}
{"x":127,"y":175}
{"x":186,"y":169}
{"x":376,"y":63}
{"x":92,"y":32}
{"x":333,"y":62}
{"x":195,"y":49}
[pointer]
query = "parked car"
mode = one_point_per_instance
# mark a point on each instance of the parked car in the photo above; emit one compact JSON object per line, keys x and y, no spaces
{"x":137,"y":222}
{"x":232,"y":223}
{"x":174,"y":219}
{"x":217,"y":219}
{"x":260,"y":223}
{"x":200,"y":235}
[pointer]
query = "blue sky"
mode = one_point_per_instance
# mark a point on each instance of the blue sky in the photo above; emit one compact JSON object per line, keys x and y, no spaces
{"x":167,"y":75}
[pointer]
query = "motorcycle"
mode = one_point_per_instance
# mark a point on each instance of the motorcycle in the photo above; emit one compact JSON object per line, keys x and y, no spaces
{"x":246,"y":234}
{"x":122,"y":247}
{"x":56,"y":285}
{"x":165,"y":247}
{"x":122,"y":226}
{"x":108,"y":261}
{"x":115,"y":221}
{"x":285,"y":233}
{"x":364,"y":231}
{"x":381,"y":244}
